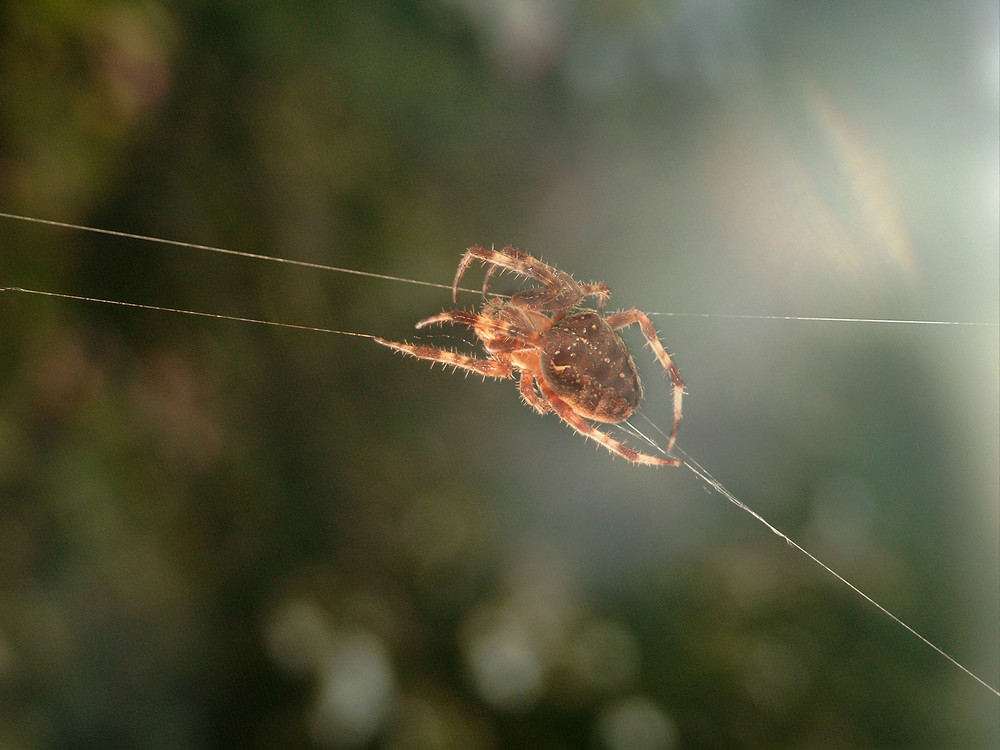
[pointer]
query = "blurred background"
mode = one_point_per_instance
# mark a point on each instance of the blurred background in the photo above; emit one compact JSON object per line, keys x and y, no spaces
{"x":225,"y":535}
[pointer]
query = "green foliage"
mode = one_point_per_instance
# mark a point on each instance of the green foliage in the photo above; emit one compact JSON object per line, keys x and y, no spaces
{"x":219,"y":535}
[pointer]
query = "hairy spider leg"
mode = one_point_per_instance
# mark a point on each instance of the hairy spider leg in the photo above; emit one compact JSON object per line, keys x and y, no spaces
{"x":560,"y":292}
{"x":530,"y":395}
{"x":594,"y":289}
{"x":493,"y":332}
{"x":629,"y":317}
{"x":489,"y":329}
{"x":488,"y":368}
{"x":583,"y":427}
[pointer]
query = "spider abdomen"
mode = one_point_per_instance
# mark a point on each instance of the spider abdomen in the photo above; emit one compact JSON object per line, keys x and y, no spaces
{"x":588,"y":365}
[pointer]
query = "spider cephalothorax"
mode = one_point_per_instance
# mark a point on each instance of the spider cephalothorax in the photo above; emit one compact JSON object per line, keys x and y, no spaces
{"x":572,"y":363}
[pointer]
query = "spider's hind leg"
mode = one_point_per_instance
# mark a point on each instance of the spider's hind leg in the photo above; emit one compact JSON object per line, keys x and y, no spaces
{"x":582,"y":426}
{"x":628,"y":317}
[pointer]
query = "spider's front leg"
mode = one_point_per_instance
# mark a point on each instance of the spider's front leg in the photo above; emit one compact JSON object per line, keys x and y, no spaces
{"x":499,"y":337}
{"x":560,"y":291}
{"x":488,"y":368}
{"x":491,"y":330}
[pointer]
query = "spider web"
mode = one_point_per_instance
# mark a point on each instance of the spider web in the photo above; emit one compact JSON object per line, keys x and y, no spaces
{"x":870,"y":441}
{"x":628,"y":427}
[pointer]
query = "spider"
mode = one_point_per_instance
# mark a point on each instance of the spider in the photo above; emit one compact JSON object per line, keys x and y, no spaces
{"x":572,"y":363}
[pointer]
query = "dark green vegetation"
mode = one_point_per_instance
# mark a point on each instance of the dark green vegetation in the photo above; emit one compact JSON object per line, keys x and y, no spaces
{"x":222,"y":535}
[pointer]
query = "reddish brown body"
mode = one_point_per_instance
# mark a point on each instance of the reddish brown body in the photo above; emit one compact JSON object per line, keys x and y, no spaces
{"x":587,"y":364}
{"x":572,"y":363}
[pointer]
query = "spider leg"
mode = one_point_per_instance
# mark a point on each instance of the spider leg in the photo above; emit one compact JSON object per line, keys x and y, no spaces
{"x":559,"y":291}
{"x":582,"y":426}
{"x":530,"y":395}
{"x":628,"y":317}
{"x":596,"y":289}
{"x":488,"y":368}
{"x":489,"y":329}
